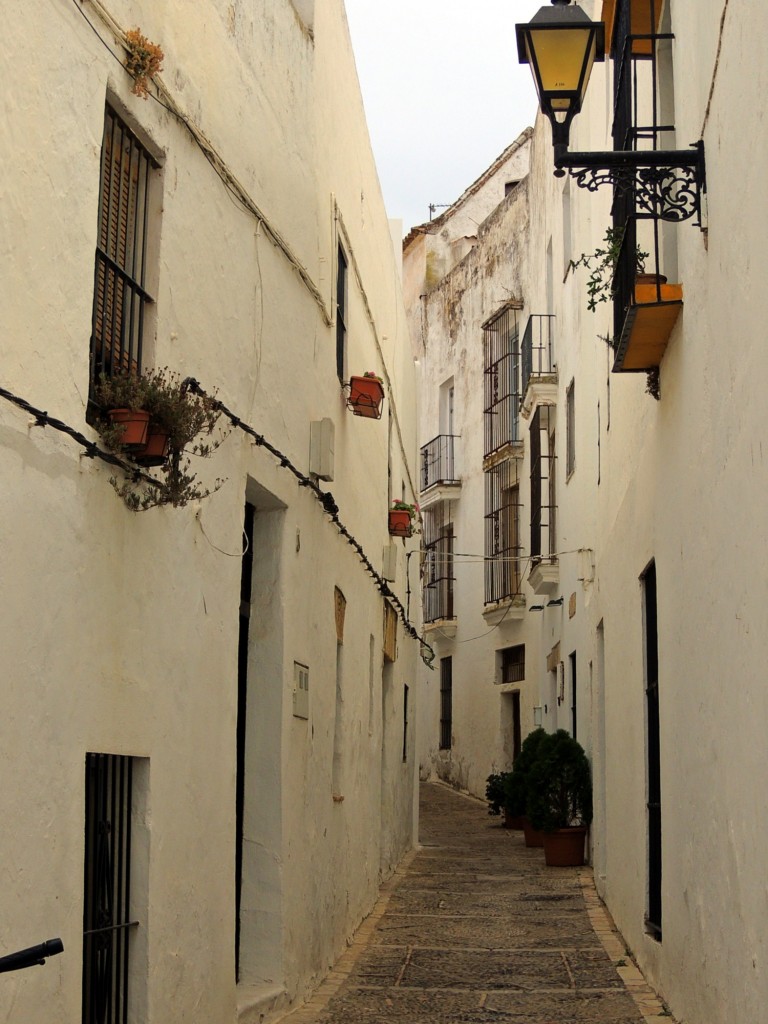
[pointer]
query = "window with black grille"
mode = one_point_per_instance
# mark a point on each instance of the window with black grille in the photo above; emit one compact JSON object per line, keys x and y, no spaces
{"x":513,"y":664}
{"x":106,"y":915}
{"x":503,"y":548}
{"x":120,"y":295}
{"x":446,"y":703}
{"x":501,"y":380}
{"x":438,"y":563}
{"x":341,"y":314}
{"x":543,"y":483}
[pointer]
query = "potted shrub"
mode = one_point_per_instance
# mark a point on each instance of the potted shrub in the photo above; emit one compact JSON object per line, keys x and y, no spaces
{"x":494,"y":791}
{"x":366,"y":395}
{"x":401,"y":517}
{"x":174,"y":418}
{"x":560,"y":798}
{"x":515,"y":787}
{"x":520,"y":781}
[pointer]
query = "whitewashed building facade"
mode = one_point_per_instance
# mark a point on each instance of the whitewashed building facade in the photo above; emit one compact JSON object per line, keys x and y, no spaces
{"x":209,"y":731}
{"x":649,"y":639}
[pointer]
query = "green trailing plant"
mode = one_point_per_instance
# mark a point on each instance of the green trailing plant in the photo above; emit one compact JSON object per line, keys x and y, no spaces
{"x":601,"y":265}
{"x":188,"y":419}
{"x":560,"y":784}
{"x":144,"y":60}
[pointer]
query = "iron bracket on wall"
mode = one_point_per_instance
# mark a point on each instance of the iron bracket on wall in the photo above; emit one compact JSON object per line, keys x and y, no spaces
{"x":667,"y":184}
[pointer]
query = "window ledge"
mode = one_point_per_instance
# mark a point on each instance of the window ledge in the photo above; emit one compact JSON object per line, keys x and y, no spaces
{"x":540,"y":391}
{"x":439,"y":492}
{"x":441,"y":629}
{"x":509,"y":609}
{"x":545,"y":576}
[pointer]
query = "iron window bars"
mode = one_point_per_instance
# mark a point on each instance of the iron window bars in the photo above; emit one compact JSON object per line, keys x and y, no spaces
{"x":543,"y":487}
{"x":503,"y":548}
{"x":438,"y":461}
{"x":538,"y":353}
{"x":438,"y":564}
{"x":120,"y":292}
{"x":501,"y":380}
{"x":106,"y":913}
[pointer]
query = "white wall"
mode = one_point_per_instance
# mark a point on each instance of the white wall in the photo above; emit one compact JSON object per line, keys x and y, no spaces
{"x":119,"y":630}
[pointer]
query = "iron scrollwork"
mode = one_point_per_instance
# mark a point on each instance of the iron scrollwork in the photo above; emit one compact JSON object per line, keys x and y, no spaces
{"x":665,"y":193}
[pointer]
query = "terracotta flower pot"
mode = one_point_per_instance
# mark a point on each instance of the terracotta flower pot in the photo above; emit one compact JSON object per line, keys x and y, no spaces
{"x":155,"y":451}
{"x":513,"y":821}
{"x":564,"y":848}
{"x":134,"y":423}
{"x":400,"y":523}
{"x":532,"y":836}
{"x":365,"y":397}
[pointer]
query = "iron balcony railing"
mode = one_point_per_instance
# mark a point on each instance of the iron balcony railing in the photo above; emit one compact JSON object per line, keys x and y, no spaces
{"x":538,"y":347}
{"x":438,"y":578}
{"x":439,"y":461}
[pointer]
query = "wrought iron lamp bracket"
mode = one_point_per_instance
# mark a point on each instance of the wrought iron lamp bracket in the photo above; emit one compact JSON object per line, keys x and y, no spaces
{"x":667,"y":184}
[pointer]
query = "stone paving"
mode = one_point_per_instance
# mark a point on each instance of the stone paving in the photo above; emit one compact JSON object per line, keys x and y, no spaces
{"x":475,"y":929}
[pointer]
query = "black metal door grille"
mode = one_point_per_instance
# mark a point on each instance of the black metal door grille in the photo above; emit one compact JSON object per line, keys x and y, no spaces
{"x":653,"y":917}
{"x":446,"y":703}
{"x":106,"y":940}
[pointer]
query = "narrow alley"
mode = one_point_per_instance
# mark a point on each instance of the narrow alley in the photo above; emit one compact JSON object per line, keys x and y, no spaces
{"x":473,"y":929}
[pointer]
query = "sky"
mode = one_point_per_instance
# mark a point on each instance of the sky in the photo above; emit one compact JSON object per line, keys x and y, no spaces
{"x":443,"y":91}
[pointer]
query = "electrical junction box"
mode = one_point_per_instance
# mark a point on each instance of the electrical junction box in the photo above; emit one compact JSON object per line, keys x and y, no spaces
{"x":321,"y":448}
{"x":300,"y":690}
{"x":389,"y":562}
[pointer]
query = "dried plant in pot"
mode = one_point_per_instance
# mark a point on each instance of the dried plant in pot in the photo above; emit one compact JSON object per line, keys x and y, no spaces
{"x":183,"y":422}
{"x":559,"y":801}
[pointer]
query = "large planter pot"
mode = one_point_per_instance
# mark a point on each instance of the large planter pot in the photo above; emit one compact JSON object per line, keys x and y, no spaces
{"x":564,"y":848}
{"x":134,"y":423}
{"x":365,"y":397}
{"x":400,"y":523}
{"x":513,"y":821}
{"x":532,"y":836}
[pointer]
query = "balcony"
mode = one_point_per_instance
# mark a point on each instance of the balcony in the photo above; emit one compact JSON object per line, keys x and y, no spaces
{"x":440,"y":478}
{"x":438,"y":573}
{"x":538,"y":363}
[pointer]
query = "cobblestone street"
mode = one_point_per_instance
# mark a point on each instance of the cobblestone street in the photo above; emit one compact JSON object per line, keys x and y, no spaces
{"x":475,"y":929}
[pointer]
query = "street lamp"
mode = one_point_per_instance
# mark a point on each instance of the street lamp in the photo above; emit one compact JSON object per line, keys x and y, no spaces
{"x":561,"y":45}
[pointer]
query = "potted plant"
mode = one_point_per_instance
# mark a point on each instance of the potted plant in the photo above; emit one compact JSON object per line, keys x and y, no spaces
{"x":122,"y":400}
{"x":401,"y":517}
{"x":174,"y":418}
{"x":518,"y":784}
{"x":602,"y":267}
{"x":559,"y":799}
{"x":366,"y":395}
{"x":494,"y":791}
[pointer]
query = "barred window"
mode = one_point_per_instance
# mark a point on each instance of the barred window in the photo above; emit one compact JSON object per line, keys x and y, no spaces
{"x":107,"y":925}
{"x":503,"y":547}
{"x":501,"y":380}
{"x":438,"y":564}
{"x":120,"y":293}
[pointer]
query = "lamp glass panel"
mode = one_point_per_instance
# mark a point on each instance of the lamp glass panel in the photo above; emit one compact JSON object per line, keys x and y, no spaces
{"x":560,"y":57}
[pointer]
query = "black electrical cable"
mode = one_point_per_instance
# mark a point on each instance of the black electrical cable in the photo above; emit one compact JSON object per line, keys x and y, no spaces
{"x":329,"y":505}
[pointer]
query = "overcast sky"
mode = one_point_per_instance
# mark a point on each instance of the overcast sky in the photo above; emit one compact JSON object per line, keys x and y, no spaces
{"x":443,"y":91}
